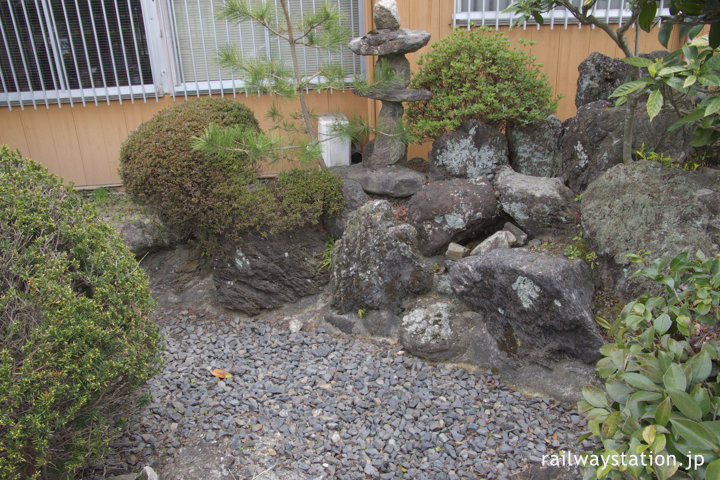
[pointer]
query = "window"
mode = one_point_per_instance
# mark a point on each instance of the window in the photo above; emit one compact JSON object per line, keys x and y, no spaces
{"x":57,"y":51}
{"x":60,"y":50}
{"x":490,"y":12}
{"x":197,"y":36}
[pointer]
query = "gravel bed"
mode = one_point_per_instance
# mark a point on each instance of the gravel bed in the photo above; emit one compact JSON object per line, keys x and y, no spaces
{"x":327,"y":406}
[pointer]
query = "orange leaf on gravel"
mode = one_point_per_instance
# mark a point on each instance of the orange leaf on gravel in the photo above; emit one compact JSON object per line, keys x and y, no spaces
{"x":220,"y":373}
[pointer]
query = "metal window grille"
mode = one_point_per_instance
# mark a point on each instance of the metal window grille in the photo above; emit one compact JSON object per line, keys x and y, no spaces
{"x":468,"y":13}
{"x":56,"y":51}
{"x":197,"y":37}
{"x":91,"y":51}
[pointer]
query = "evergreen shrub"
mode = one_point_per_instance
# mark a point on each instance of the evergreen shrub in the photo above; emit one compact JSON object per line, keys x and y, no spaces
{"x":75,"y":324}
{"x":208,"y":196}
{"x":658,"y":416}
{"x":476,"y":74}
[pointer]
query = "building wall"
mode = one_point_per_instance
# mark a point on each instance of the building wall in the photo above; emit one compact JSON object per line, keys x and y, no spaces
{"x":82,"y":144}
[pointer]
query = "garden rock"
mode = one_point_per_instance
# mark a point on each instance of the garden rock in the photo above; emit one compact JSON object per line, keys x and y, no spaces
{"x":592,"y":142}
{"x":455,"y":251}
{"x":262,"y":273}
{"x":646,"y":206}
{"x":535,"y":149}
{"x":376,"y":265}
{"x":144,"y":235}
{"x":392,"y":181}
{"x":599,"y":76}
{"x":431,"y":329}
{"x":180,"y":276}
{"x":473,"y":150}
{"x":388,"y":42}
{"x":501,"y":239}
{"x":451,"y":210}
{"x":385,"y":15}
{"x":537,"y":307}
{"x":354,"y":196}
{"x":541,"y":206}
{"x":520,"y":236}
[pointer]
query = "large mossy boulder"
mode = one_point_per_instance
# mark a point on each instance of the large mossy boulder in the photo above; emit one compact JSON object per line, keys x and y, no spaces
{"x":451,"y":210}
{"x":376,"y":265}
{"x":592,"y":142}
{"x":647,"y":206}
{"x":537,"y":306}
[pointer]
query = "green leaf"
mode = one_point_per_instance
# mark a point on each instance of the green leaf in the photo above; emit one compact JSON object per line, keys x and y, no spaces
{"x":617,"y":391}
{"x":701,"y":365}
{"x":689,"y":81}
{"x":686,"y":404}
{"x":639,"y":381}
{"x":654,"y":104}
{"x":693,"y":116}
{"x":627,"y":88}
{"x":647,"y":15}
{"x":662,"y":412}
{"x":703,"y":136}
{"x":641,"y":62}
{"x":714,"y":39}
{"x":595,"y":396}
{"x":648,"y":434}
{"x":672,"y":70}
{"x":713,"y":106}
{"x":662,"y":323}
{"x":674,"y":378}
{"x":695,"y":435}
{"x":664,"y":34}
{"x":713,"y":468}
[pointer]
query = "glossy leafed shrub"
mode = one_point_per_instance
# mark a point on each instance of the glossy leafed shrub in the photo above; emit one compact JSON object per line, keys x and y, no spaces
{"x":658,"y":416}
{"x":75,"y":326}
{"x":477,"y":74}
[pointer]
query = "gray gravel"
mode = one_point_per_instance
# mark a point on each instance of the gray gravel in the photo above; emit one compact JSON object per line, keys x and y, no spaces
{"x":326,"y":406}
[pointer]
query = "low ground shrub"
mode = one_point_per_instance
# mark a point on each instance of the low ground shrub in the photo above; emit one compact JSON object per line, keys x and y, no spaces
{"x":74,"y":319}
{"x":659,"y":413}
{"x":208,"y":196}
{"x":477,"y":74}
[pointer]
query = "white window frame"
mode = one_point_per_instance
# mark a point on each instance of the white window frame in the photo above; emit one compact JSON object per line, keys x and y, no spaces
{"x":62,"y":93}
{"x":166,"y":71}
{"x":468,"y":17}
{"x":171,"y":77}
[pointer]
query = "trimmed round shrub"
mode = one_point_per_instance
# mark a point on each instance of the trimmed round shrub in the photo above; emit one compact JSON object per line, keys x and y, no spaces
{"x":75,"y":323}
{"x":205,"y":197}
{"x":159,"y":166}
{"x":476,"y":74}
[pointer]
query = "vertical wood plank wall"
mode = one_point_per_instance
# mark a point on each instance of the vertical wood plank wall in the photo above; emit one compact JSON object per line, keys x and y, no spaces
{"x":82,"y":144}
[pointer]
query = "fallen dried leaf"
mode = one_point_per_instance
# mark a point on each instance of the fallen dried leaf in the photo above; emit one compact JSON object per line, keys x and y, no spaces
{"x":220,"y":373}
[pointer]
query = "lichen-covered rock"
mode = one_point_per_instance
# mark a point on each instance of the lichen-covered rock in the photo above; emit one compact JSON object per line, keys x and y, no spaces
{"x":646,"y":206}
{"x":354,"y":197}
{"x":473,"y":150}
{"x":535,"y":149}
{"x":541,"y":206}
{"x":181,"y":275}
{"x":592,"y":141}
{"x":432,"y":330}
{"x":599,"y":76}
{"x":376,"y":265}
{"x":387,"y":42}
{"x":262,"y":273}
{"x":392,"y":181}
{"x":537,"y":307}
{"x":451,"y":210}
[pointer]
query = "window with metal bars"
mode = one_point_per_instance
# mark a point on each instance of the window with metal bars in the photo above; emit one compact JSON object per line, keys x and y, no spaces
{"x":58,"y":51}
{"x":491,"y":12}
{"x":198,"y":35}
{"x":53,"y":51}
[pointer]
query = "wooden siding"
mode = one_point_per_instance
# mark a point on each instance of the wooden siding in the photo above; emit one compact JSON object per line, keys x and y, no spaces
{"x":82,"y":144}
